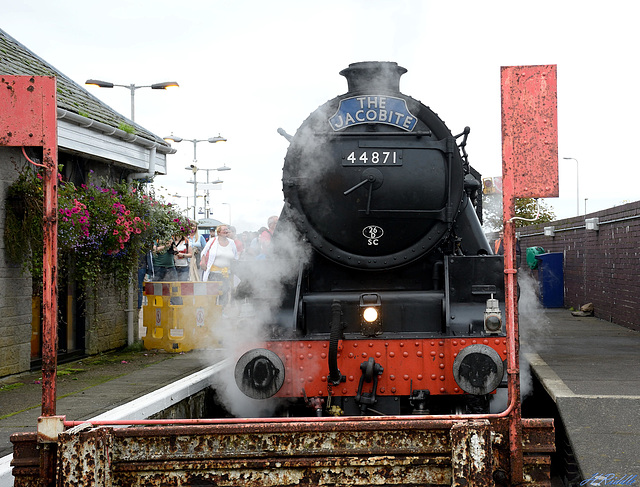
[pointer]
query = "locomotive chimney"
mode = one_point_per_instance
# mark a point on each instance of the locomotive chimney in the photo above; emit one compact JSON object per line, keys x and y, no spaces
{"x":373,"y":76}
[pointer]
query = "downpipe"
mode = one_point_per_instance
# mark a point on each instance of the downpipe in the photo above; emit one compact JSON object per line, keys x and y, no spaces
{"x":132,"y":336}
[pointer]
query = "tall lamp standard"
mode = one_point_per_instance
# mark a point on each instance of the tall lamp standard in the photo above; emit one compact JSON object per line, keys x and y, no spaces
{"x":577,"y":184}
{"x":132,"y":87}
{"x":193,"y":168}
{"x":131,"y":333}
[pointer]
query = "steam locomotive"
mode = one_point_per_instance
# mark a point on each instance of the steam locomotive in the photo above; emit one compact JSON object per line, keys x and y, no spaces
{"x":398,"y":309}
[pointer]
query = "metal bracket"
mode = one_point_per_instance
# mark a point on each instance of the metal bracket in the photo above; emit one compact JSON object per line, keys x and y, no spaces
{"x":49,"y":427}
{"x":370,"y":372}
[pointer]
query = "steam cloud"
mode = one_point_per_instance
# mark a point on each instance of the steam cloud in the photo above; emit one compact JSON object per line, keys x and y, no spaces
{"x":247,"y":320}
{"x":533,"y":325}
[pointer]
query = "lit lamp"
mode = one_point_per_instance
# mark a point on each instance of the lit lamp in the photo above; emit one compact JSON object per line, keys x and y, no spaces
{"x":132,"y":87}
{"x":371,"y":320}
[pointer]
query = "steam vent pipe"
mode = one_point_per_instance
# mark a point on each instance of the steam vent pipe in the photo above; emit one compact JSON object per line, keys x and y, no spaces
{"x":373,"y":76}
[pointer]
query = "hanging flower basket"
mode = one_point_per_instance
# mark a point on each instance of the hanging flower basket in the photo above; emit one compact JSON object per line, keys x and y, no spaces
{"x":103,"y":229}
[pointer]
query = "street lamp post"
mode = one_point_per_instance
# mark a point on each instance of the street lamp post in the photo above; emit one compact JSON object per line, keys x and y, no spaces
{"x":131,"y":334}
{"x":132,"y":87}
{"x":577,"y":184}
{"x":194,"y":168}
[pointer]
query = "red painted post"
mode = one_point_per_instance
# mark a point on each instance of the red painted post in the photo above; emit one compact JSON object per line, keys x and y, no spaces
{"x":529,"y":170}
{"x":28,"y":118}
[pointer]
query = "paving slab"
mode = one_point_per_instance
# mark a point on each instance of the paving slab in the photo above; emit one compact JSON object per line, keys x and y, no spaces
{"x":591,"y":369}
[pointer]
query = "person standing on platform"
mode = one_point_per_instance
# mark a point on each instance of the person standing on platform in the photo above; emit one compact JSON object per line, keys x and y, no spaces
{"x":236,"y":240}
{"x":163,"y":264}
{"x":267,"y":235}
{"x":216,"y":261}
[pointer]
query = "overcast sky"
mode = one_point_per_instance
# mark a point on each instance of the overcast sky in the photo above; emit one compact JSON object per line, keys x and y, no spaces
{"x":247,"y":67}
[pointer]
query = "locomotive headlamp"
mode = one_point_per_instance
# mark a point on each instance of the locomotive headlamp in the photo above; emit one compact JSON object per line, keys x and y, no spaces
{"x":371,"y":323}
{"x":370,"y":314}
{"x":492,"y":317}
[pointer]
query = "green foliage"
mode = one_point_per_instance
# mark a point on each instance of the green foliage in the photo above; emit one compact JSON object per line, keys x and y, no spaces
{"x":525,"y":208}
{"x":102,"y":230}
{"x":10,"y":387}
{"x":125,"y":127}
{"x":23,"y":222}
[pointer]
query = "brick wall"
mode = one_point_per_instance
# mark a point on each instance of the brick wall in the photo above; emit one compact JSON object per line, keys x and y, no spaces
{"x":15,"y":287}
{"x":600,"y":267}
{"x":106,"y":320}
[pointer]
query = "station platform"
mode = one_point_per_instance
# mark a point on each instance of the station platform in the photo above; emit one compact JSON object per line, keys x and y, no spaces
{"x":90,"y":387}
{"x":589,"y":367}
{"x":591,"y":370}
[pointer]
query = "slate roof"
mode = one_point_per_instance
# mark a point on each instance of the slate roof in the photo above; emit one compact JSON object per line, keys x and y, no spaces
{"x":17,"y":60}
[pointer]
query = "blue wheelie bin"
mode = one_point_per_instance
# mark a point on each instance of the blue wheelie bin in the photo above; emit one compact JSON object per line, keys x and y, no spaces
{"x":551,"y":279}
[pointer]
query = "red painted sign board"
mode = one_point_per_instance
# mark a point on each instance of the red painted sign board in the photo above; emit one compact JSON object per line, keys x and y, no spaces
{"x":28,"y":111}
{"x":529,"y":131}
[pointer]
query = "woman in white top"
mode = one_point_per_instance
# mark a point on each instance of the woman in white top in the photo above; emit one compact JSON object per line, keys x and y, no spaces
{"x":216,"y":261}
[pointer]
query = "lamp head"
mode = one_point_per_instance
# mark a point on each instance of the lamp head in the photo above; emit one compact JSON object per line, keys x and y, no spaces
{"x":164,"y":86}
{"x":173,"y":138}
{"x":223,"y":168}
{"x":101,"y":84}
{"x":213,"y":140}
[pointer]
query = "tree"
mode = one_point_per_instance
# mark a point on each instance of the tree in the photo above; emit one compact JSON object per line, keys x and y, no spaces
{"x":526,"y":208}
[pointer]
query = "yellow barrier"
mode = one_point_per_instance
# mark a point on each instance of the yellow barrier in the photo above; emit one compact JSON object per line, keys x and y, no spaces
{"x":181,"y":316}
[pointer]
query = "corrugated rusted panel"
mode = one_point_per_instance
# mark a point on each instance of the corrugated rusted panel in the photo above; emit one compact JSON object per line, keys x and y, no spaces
{"x":26,"y":459}
{"x":530,"y":131}
{"x":472,"y":454}
{"x":359,"y":452}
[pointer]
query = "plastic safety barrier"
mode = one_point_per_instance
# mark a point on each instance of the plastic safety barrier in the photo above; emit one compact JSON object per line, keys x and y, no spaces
{"x":181,"y":316}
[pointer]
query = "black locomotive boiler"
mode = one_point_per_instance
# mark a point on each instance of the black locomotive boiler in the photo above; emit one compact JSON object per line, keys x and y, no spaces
{"x":399,"y":309}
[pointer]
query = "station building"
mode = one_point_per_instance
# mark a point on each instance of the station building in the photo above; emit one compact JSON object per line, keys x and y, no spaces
{"x":91,"y":137}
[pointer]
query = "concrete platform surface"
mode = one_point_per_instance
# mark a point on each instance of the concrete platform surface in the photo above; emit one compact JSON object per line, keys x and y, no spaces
{"x":591,"y":369}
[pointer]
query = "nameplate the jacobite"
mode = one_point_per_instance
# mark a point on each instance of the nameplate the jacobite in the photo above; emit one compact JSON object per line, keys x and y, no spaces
{"x":373,"y":109}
